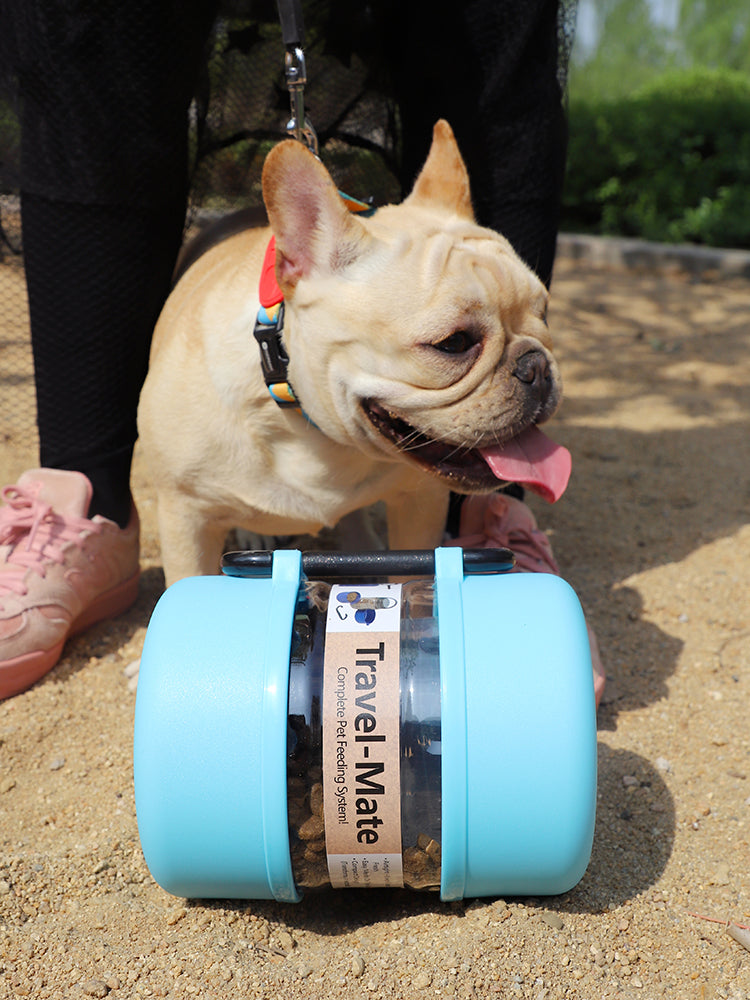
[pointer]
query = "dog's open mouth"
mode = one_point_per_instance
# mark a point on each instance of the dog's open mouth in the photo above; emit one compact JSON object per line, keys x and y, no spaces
{"x":530,"y":458}
{"x":465,"y":468}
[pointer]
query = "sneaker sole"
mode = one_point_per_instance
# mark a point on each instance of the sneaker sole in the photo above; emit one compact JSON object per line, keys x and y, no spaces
{"x":20,"y":673}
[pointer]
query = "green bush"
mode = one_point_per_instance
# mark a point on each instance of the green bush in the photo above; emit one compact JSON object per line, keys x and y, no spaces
{"x":670,"y":163}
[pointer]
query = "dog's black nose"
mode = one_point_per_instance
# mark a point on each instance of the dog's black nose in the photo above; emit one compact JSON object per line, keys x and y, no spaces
{"x":532,"y":368}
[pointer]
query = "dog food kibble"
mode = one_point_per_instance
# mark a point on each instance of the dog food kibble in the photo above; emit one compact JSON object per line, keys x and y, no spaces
{"x":311,"y":829}
{"x":421,"y":861}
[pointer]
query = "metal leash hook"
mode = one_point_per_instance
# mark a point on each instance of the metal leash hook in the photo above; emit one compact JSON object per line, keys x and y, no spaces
{"x":299,"y":125}
{"x":295,"y":71}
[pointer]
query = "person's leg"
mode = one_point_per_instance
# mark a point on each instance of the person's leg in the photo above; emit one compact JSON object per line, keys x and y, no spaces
{"x":490,"y":67}
{"x":105,"y":94}
{"x":105,"y":90}
{"x":97,"y":278}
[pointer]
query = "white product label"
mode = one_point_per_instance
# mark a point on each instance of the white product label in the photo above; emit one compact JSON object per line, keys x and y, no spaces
{"x":361,"y":753}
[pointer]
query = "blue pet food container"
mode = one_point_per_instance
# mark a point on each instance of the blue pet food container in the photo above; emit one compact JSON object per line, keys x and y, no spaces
{"x":293,"y":734}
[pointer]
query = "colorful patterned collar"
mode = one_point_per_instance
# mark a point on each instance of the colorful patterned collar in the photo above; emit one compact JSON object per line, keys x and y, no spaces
{"x":269,"y":324}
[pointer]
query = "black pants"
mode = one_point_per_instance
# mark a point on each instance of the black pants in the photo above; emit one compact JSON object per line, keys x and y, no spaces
{"x":105,"y":86}
{"x":490,"y":68}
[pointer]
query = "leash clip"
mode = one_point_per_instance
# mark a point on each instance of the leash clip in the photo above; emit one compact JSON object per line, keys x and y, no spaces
{"x":299,"y":125}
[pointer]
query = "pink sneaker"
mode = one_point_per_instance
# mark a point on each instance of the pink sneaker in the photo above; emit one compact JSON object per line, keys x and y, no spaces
{"x":59,"y":571}
{"x":501,"y":521}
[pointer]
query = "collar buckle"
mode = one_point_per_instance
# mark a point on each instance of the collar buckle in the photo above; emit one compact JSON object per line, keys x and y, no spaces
{"x":273,"y":358}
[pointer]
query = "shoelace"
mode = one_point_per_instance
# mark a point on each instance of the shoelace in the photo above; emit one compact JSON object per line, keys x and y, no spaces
{"x":36,"y":534}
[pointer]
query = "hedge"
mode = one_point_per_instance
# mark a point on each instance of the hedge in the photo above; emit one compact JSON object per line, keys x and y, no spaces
{"x":670,"y":163}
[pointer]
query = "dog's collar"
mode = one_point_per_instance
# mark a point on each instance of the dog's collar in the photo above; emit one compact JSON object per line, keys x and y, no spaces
{"x":269,"y":324}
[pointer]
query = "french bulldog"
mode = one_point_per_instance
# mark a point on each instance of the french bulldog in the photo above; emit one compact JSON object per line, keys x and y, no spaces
{"x":413,"y":359}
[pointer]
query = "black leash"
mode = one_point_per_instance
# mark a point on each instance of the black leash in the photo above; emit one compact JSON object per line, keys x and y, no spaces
{"x":292,"y":23}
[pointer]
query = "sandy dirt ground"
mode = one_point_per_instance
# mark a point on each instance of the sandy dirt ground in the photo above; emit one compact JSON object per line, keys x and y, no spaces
{"x":654,"y":534}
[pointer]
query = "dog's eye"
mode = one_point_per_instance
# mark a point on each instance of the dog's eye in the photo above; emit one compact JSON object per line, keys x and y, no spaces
{"x":457,"y":343}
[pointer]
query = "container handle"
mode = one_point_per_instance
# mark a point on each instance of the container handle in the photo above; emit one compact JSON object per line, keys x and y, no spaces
{"x":402,"y":562}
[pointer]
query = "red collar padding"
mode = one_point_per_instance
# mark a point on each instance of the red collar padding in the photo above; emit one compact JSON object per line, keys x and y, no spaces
{"x":268,"y":290}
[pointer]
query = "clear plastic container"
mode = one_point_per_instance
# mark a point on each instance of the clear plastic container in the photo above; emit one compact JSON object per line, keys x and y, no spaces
{"x":420,"y":743}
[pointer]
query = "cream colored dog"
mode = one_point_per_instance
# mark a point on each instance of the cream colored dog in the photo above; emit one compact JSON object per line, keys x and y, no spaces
{"x":417,"y":350}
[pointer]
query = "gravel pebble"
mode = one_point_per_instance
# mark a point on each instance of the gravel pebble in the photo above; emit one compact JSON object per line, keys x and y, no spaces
{"x":553,"y":920}
{"x":285,"y":940}
{"x":95,"y":988}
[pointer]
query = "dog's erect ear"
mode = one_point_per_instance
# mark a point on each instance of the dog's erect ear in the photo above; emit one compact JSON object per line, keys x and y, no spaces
{"x":444,"y":180}
{"x":314,"y":230}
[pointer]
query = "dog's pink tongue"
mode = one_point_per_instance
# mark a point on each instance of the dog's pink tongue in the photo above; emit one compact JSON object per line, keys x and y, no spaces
{"x":532,"y":460}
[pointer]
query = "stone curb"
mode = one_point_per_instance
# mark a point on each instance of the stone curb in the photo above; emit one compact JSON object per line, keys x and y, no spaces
{"x":642,"y":255}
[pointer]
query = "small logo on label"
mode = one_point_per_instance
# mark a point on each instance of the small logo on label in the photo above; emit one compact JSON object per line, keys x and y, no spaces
{"x":364,"y":608}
